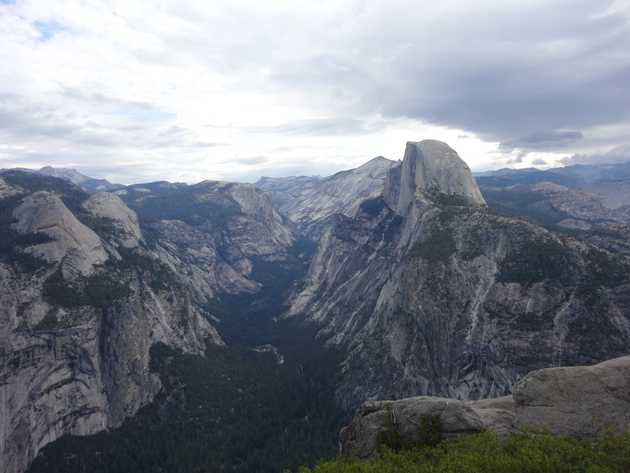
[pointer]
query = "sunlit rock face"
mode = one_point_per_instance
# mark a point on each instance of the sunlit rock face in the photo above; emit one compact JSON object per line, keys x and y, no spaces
{"x":82,"y":300}
{"x":425,"y":291}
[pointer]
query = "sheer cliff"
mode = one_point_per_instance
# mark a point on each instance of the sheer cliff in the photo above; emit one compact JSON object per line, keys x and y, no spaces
{"x":427,"y":291}
{"x":89,"y":285}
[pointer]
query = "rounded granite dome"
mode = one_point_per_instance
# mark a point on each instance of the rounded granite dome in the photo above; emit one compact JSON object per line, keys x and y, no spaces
{"x":434,"y":168}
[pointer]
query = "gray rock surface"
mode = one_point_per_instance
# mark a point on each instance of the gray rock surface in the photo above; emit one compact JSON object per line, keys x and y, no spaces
{"x":431,"y":167}
{"x":214,"y":235}
{"x":404,"y":418}
{"x":580,"y":203}
{"x":77,"y":321}
{"x":7,"y":190}
{"x":580,"y":401}
{"x":444,"y":299}
{"x":123,"y":220}
{"x":311,"y":201}
{"x":79,"y":247}
{"x":85,"y":294}
{"x":68,"y":174}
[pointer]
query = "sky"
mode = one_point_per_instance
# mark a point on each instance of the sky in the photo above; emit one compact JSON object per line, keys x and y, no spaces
{"x":189,"y":90}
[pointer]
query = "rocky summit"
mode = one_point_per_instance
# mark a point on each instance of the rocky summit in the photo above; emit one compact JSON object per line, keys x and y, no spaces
{"x":241,"y":321}
{"x":427,"y":291}
{"x":431,"y":168}
{"x":581,"y":401}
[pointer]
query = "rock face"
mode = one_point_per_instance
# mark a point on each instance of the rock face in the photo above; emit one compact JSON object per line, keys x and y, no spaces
{"x":431,"y":167}
{"x":419,"y":286}
{"x":211,"y":233}
{"x":404,"y":418}
{"x":439,"y":296}
{"x":578,"y":401}
{"x":75,"y":244}
{"x":88,"y":284}
{"x":124,"y":221}
{"x":7,"y":190}
{"x":82,"y":300}
{"x":590,"y":202}
{"x":310,"y":202}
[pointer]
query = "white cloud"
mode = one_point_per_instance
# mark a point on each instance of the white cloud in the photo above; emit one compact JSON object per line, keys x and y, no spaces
{"x":192,"y":90}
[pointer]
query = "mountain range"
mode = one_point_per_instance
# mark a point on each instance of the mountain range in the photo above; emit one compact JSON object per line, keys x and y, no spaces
{"x":394,"y":279}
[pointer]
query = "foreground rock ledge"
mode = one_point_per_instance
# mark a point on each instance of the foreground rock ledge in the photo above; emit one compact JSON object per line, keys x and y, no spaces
{"x":579,"y":401}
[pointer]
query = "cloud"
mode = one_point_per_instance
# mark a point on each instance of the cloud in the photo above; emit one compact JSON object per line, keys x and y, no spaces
{"x":544,"y":140}
{"x":251,"y":161}
{"x":323,"y":127}
{"x":309,"y":86}
{"x":617,"y":154}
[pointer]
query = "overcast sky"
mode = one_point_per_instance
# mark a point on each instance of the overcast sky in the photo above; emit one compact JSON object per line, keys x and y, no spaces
{"x":190,"y":90}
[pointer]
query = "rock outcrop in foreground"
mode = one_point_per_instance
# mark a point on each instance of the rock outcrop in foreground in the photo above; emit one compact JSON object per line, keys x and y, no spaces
{"x":580,"y":401}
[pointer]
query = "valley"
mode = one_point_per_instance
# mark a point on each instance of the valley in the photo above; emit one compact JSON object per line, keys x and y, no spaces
{"x":237,"y":327}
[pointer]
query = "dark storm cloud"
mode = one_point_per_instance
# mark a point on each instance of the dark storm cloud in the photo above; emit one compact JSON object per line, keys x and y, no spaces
{"x":517,"y":73}
{"x":547,"y":140}
{"x":561,"y":71}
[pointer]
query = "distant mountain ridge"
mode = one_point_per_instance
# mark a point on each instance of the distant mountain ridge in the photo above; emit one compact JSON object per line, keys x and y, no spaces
{"x":310,"y":201}
{"x":87,"y":183}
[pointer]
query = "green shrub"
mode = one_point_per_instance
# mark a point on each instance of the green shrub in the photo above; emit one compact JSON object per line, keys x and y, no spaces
{"x":535,"y":261}
{"x":485,"y":453}
{"x":449,"y":199}
{"x":373,"y":207}
{"x":438,"y":247}
{"x":429,"y":433}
